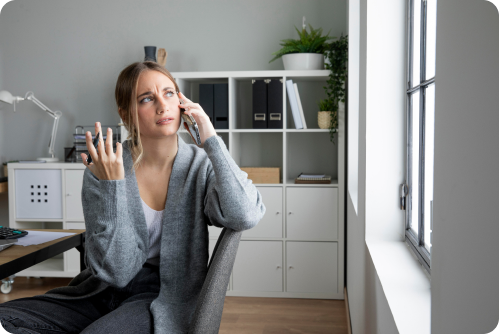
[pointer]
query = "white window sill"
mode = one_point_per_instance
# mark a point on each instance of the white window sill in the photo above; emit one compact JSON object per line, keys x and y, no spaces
{"x":405,"y":284}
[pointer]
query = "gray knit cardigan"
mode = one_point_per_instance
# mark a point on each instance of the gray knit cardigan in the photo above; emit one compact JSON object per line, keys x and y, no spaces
{"x":206,"y":188}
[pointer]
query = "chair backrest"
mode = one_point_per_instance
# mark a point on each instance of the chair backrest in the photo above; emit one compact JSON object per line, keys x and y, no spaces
{"x":208,"y":314}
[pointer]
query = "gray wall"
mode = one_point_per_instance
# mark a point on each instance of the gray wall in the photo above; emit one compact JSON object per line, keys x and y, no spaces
{"x":69,"y":53}
{"x":465,"y":262}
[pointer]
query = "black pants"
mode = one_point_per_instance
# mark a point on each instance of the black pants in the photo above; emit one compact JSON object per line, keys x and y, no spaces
{"x":124,"y":310}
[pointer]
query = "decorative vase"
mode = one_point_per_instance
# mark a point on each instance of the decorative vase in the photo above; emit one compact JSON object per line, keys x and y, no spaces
{"x":303,"y":61}
{"x":324,"y":119}
{"x":150,"y":53}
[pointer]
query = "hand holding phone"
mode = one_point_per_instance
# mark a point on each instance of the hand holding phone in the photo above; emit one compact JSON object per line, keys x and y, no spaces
{"x":191,"y":125}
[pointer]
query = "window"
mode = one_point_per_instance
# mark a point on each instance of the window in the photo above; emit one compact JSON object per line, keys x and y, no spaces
{"x":422,"y":28}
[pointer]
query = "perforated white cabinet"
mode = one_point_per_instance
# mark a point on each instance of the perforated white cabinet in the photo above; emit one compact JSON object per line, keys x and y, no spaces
{"x":258,"y":267}
{"x":312,"y":267}
{"x":312,"y":213}
{"x":38,"y":193}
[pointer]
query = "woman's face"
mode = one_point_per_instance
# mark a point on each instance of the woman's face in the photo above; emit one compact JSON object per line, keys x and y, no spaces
{"x":158,"y":105}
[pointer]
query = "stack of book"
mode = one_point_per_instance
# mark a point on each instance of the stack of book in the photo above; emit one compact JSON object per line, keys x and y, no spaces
{"x":296,"y":106}
{"x":313,"y":179}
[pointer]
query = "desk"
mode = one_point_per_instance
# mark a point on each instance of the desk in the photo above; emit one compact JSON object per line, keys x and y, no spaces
{"x":17,"y":258}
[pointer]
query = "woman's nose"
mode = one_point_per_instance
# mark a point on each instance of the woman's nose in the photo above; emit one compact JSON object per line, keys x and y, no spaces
{"x":162,"y":105}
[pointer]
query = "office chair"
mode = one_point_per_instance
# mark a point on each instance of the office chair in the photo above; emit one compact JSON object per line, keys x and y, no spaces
{"x":208,"y":313}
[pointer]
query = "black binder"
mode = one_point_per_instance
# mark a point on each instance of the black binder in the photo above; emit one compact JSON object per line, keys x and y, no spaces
{"x":221,"y":105}
{"x":260,"y":115}
{"x":274,"y":104}
{"x":206,"y":97}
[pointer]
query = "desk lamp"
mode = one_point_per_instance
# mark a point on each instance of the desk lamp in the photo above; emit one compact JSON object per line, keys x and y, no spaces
{"x":8,"y":98}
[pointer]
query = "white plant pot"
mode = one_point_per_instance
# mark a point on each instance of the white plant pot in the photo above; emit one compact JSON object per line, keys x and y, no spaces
{"x":303,"y":61}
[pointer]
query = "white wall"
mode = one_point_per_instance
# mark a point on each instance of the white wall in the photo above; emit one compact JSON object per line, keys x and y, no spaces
{"x":380,"y":151}
{"x":465,"y":261}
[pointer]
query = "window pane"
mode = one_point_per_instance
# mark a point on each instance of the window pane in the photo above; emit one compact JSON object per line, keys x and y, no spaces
{"x":428,"y":164}
{"x":431,"y":37}
{"x":416,"y":40}
{"x":413,"y":187}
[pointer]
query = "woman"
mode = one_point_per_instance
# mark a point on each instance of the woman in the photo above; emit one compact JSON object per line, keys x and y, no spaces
{"x":146,"y":210}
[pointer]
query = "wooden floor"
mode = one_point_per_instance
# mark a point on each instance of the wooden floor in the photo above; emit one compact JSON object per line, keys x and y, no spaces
{"x":241,"y":315}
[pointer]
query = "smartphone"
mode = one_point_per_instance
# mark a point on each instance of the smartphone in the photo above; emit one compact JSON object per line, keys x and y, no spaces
{"x":191,"y":123}
{"x":96,"y":141}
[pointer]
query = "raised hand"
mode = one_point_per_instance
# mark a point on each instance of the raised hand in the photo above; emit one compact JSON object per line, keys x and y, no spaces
{"x":205,"y":127}
{"x":105,"y":165}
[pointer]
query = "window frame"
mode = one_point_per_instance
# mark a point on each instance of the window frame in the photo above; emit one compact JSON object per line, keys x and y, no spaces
{"x":416,"y":242}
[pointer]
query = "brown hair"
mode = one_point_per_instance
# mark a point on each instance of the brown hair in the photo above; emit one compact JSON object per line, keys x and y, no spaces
{"x":126,"y":99}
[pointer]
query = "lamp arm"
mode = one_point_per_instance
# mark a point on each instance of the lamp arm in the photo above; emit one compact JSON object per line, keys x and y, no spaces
{"x":56,"y":114}
{"x":30,"y":96}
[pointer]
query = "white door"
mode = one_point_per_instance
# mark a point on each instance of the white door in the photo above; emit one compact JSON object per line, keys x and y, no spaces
{"x":312,"y":267}
{"x":270,"y":226}
{"x":312,"y":213}
{"x":74,"y":180}
{"x":258,"y":266}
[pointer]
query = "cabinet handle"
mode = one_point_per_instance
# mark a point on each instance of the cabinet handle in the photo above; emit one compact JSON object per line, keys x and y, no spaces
{"x":291,"y":267}
{"x":290,"y":212}
{"x":277,"y":213}
{"x":278,"y":267}
{"x":68,"y":194}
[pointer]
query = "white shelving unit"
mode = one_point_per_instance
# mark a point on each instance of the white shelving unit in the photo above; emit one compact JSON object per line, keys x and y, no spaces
{"x":297,"y":249}
{"x":59,"y":184}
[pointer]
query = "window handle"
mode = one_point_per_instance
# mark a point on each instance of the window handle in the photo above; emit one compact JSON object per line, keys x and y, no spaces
{"x":403,"y":195}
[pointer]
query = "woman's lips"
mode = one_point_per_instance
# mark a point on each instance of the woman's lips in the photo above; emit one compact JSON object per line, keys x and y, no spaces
{"x":167,"y":121}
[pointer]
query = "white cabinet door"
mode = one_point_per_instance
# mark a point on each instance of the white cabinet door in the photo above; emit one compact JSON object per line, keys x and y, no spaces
{"x":312,"y":213}
{"x":258,"y":266}
{"x":74,"y":180}
{"x":270,"y":226}
{"x":312,"y":267}
{"x":38,"y":193}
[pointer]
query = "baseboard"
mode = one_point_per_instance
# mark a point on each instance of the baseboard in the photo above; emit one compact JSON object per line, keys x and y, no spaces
{"x":349,"y":324}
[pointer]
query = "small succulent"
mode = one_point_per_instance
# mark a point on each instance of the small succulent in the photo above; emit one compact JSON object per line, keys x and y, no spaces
{"x":312,"y":42}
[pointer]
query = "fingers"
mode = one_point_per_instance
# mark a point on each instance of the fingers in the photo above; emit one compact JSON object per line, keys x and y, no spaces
{"x":119,"y":150}
{"x":109,"y":142}
{"x":182,"y":96}
{"x":90,"y":147}
{"x":100,"y":145}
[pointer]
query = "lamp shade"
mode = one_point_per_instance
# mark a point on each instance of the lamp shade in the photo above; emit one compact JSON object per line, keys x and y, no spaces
{"x":6,"y":97}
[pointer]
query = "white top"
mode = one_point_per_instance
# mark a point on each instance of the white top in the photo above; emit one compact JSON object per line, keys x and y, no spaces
{"x":153,"y":221}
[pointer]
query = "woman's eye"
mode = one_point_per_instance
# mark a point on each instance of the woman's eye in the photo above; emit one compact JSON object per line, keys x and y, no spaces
{"x":169,"y":92}
{"x":144,"y":100}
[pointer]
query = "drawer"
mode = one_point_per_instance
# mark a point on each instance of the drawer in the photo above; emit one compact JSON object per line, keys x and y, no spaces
{"x":270,"y":226}
{"x":312,"y":213}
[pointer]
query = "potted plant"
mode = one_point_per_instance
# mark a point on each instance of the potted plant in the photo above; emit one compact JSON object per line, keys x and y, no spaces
{"x":337,"y":55}
{"x":305,"y":53}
